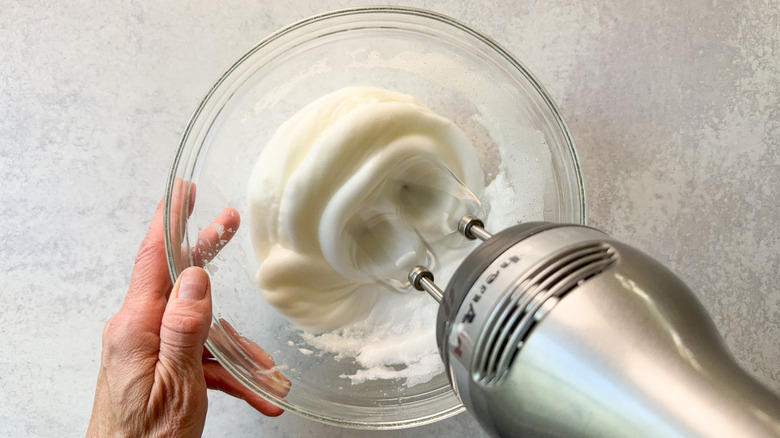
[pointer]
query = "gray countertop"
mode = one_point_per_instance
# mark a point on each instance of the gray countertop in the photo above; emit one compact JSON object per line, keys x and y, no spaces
{"x":674,"y":106}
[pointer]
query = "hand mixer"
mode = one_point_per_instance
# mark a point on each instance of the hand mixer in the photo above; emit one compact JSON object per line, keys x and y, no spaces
{"x":554,"y":330}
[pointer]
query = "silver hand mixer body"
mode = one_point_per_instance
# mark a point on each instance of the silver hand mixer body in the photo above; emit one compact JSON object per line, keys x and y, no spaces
{"x":551,"y":330}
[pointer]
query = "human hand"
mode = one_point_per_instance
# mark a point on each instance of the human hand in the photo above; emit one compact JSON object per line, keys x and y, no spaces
{"x":155,"y":371}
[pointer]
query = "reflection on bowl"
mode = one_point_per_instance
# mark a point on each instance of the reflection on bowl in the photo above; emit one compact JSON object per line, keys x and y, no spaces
{"x":452,"y":69}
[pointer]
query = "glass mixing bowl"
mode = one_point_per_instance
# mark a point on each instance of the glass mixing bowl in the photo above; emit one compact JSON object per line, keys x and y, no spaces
{"x":449,"y":67}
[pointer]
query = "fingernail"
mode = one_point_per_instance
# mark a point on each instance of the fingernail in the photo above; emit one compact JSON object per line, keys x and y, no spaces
{"x":193,"y":284}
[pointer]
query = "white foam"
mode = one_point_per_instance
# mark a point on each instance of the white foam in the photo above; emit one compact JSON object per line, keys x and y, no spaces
{"x":389,"y":335}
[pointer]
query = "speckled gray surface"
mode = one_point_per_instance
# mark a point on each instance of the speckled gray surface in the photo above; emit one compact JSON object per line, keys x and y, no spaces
{"x":674,"y":106}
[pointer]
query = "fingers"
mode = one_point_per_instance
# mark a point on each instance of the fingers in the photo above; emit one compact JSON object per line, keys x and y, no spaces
{"x":151,"y":279}
{"x":258,"y":355}
{"x":212,"y":239}
{"x":267,"y":374}
{"x":218,"y":378}
{"x":190,"y":196}
{"x":150,"y":283}
{"x":185,"y":324}
{"x":264,"y":372}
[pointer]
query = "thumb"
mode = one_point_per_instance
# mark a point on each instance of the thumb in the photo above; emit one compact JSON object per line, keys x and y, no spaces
{"x":186,"y":321}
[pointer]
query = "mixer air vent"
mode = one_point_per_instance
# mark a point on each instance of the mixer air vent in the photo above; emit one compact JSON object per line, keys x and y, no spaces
{"x":532,"y":296}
